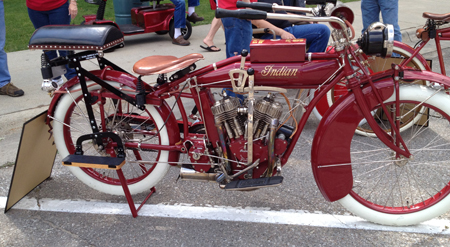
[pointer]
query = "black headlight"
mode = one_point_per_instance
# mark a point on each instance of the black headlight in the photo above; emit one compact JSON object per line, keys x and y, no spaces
{"x":378,"y":39}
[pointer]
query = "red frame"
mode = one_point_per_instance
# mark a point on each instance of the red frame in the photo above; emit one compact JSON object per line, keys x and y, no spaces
{"x":334,"y":182}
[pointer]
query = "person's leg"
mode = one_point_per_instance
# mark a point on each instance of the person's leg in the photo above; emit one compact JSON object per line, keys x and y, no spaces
{"x":316,"y":35}
{"x":192,"y":16}
{"x":5,"y":77}
{"x":370,"y":11}
{"x":60,"y":16}
{"x":40,"y":19}
{"x":6,"y":86}
{"x":238,"y":35}
{"x":193,"y":3}
{"x":179,"y":23}
{"x":389,"y":13}
{"x":178,"y":16}
{"x":209,"y":39}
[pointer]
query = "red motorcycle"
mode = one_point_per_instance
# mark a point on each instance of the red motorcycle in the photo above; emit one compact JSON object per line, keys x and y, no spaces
{"x":397,"y":178}
{"x":157,"y":18}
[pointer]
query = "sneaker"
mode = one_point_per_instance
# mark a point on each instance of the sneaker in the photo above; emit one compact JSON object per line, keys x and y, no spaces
{"x":194,"y":18}
{"x":180,"y":41}
{"x":11,"y":90}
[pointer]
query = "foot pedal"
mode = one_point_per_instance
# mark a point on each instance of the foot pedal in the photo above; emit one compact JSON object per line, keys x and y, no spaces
{"x":254,"y":183}
{"x":102,"y":162}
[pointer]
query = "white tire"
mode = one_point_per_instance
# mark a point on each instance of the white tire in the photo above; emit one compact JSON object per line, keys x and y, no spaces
{"x":400,"y":191}
{"x":144,"y":183}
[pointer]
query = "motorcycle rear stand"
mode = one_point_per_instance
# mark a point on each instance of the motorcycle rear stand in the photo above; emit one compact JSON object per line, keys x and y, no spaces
{"x":110,"y":163}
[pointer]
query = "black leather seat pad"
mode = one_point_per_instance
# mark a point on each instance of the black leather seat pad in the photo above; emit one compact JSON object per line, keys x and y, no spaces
{"x":72,"y":37}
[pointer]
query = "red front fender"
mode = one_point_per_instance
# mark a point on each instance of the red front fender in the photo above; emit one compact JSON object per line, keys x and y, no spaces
{"x":331,"y":144}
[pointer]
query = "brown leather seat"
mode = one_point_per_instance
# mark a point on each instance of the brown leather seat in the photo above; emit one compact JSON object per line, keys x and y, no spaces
{"x":436,"y":17}
{"x":164,"y":64}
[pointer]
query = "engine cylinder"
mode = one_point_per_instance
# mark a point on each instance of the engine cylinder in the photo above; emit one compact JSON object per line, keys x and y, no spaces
{"x":226,"y":112}
{"x":266,"y":109}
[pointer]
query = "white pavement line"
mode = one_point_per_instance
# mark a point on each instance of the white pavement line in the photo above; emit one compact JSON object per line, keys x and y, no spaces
{"x":223,"y":213}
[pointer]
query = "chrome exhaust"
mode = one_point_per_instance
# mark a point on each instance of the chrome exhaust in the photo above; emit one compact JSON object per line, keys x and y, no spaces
{"x":187,"y":173}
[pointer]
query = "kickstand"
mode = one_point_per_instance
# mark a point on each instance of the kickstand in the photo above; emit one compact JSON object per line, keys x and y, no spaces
{"x":130,"y":201}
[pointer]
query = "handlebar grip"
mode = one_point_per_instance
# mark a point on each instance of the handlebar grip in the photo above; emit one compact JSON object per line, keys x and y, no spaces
{"x":323,"y":2}
{"x":241,"y":14}
{"x":256,"y":5}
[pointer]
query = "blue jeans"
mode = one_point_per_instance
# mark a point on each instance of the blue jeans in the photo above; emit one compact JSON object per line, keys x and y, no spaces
{"x":370,"y":10}
{"x":58,"y":16}
{"x":316,"y":35}
{"x":179,"y":16}
{"x":5,"y":77}
{"x":238,"y":35}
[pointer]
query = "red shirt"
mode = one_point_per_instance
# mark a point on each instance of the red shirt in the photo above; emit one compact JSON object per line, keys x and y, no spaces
{"x":229,"y":4}
{"x":45,"y":5}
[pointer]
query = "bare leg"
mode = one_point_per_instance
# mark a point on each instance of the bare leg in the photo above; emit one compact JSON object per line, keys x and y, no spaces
{"x":209,"y":39}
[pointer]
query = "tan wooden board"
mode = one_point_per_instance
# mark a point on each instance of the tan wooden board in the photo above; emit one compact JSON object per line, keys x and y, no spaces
{"x":34,"y":161}
{"x":94,"y":162}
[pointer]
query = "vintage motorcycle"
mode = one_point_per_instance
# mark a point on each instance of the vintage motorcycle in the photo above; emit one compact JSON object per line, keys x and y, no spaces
{"x":395,"y":178}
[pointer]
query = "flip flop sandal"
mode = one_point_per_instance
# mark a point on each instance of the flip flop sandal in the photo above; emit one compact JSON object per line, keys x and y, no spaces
{"x":209,"y":48}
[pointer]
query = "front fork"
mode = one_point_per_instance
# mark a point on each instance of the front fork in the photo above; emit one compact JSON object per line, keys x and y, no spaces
{"x":393,"y":141}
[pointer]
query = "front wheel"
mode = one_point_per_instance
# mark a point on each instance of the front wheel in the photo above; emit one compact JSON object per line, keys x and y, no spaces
{"x":392,"y":190}
{"x":144,"y":167}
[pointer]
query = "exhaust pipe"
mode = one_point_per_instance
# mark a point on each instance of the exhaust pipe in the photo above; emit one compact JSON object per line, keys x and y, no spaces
{"x":187,"y":173}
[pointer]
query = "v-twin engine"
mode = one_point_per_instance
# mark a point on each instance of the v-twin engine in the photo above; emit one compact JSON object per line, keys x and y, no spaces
{"x":244,"y":156}
{"x":229,"y":112}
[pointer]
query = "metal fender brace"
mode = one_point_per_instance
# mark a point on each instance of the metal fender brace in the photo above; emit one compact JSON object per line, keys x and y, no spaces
{"x":354,"y":85}
{"x":82,"y":74}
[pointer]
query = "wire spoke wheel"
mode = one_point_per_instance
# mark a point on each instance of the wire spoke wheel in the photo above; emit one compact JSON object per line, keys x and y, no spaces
{"x":136,"y":128}
{"x":394,"y":190}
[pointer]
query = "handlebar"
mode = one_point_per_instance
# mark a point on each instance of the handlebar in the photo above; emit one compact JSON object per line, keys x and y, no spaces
{"x":256,"y":5}
{"x":268,"y":7}
{"x":313,"y":2}
{"x":241,"y":14}
{"x":258,"y":15}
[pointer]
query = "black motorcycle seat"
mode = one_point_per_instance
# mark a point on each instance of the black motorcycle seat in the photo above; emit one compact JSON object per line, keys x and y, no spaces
{"x":74,"y":37}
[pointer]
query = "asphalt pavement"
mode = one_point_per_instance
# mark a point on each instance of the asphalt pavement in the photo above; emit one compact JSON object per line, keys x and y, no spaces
{"x":25,"y":226}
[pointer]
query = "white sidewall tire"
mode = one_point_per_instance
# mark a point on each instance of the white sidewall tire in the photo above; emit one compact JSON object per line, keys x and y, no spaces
{"x":417,"y":93}
{"x":145,"y":184}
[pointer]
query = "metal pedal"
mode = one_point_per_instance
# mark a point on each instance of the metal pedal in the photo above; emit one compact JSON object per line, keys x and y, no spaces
{"x":101,"y":162}
{"x":254,"y":183}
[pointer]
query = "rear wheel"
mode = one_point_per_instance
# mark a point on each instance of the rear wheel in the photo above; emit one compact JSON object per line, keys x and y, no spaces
{"x":144,"y":167}
{"x":392,"y":190}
